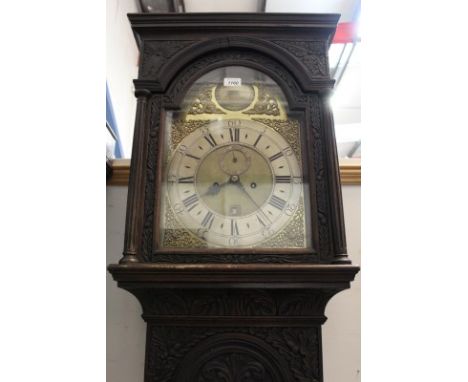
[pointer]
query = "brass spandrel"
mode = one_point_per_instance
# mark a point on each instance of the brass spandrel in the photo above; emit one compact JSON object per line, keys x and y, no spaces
{"x":264,"y":105}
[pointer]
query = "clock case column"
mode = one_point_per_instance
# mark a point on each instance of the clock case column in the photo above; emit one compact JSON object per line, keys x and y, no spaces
{"x":230,"y":312}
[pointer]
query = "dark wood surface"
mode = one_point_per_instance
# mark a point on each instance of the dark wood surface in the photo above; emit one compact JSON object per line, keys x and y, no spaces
{"x":200,"y":275}
{"x":290,"y":48}
{"x":234,"y":314}
{"x":219,"y":322}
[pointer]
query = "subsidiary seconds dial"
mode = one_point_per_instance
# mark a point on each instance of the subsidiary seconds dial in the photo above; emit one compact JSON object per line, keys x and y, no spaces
{"x":234,"y":183}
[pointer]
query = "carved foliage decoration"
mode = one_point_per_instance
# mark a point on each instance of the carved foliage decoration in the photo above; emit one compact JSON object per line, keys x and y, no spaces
{"x":233,"y":367}
{"x":251,"y":302}
{"x":312,"y":54}
{"x":269,"y":354}
{"x":166,"y":346}
{"x":320,"y":176}
{"x":153,"y":149}
{"x":156,"y":53}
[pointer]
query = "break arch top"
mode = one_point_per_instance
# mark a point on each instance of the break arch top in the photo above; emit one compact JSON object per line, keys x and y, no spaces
{"x":220,"y":58}
{"x":305,"y":61}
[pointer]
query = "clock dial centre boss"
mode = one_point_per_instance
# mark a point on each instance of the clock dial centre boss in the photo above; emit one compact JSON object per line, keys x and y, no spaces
{"x":234,"y":175}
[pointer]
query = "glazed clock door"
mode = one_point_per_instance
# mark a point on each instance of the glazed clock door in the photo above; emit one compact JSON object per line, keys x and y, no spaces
{"x":233,"y":168}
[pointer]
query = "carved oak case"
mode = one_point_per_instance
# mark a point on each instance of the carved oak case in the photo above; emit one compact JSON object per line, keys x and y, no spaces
{"x":234,"y":237}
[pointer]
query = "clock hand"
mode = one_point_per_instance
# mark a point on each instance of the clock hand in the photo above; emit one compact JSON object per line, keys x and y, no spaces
{"x":241,"y":186}
{"x":215,"y":188}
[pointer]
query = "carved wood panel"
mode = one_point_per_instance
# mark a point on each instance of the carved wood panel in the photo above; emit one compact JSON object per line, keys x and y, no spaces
{"x":234,"y":302}
{"x":280,"y":354}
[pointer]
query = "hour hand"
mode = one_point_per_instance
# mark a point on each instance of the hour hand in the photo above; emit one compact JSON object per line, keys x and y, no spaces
{"x":215,"y":188}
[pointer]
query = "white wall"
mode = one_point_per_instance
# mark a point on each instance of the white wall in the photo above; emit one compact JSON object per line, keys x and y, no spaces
{"x":126,"y":329}
{"x":342,"y":331}
{"x":122,"y":67}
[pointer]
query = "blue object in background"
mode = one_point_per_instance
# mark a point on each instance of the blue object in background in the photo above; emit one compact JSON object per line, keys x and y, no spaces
{"x":110,"y":119}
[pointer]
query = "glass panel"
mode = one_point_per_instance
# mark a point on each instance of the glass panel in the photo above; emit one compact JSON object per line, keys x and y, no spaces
{"x":233,"y":173}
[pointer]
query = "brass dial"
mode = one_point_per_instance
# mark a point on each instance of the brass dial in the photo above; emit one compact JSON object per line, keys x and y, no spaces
{"x":234,"y":183}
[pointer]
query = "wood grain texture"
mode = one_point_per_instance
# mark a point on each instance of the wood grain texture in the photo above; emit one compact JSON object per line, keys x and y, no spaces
{"x":214,"y":322}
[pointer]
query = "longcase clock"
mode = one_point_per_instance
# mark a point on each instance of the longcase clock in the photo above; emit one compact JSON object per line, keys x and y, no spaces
{"x":234,"y":237}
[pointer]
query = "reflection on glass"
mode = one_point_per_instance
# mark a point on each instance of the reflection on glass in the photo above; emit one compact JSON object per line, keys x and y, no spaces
{"x":233,"y":169}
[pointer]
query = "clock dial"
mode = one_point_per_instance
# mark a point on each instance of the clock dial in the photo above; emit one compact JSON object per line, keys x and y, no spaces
{"x":233,"y":173}
{"x":234,"y":182}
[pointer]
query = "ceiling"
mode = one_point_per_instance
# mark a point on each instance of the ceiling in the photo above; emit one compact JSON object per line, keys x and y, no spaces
{"x":345,"y":62}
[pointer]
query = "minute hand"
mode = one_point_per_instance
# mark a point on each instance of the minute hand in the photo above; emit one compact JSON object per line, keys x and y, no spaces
{"x":239,"y":184}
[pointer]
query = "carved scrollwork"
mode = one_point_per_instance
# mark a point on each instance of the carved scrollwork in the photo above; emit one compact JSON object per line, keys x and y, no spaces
{"x":218,"y":303}
{"x":225,"y":302}
{"x":183,"y":354}
{"x":156,"y":53}
{"x":233,"y":367}
{"x":311,"y":53}
{"x":302,"y":303}
{"x":300,"y":348}
{"x":320,"y":176}
{"x":235,"y":303}
{"x":153,"y":149}
{"x":166,"y":347}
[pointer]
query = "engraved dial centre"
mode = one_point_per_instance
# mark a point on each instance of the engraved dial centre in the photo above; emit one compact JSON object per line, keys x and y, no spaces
{"x":224,"y":177}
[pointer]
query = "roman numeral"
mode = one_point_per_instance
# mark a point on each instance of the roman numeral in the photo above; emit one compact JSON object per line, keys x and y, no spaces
{"x":234,"y":134}
{"x":282,"y":179}
{"x":190,"y":200}
{"x":258,"y":139}
{"x":193,"y":156}
{"x":277,"y":202}
{"x":187,"y":179}
{"x":234,"y":228}
{"x":208,"y":220}
{"x":276,"y":156}
{"x":261,"y":221}
{"x":209,"y":138}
